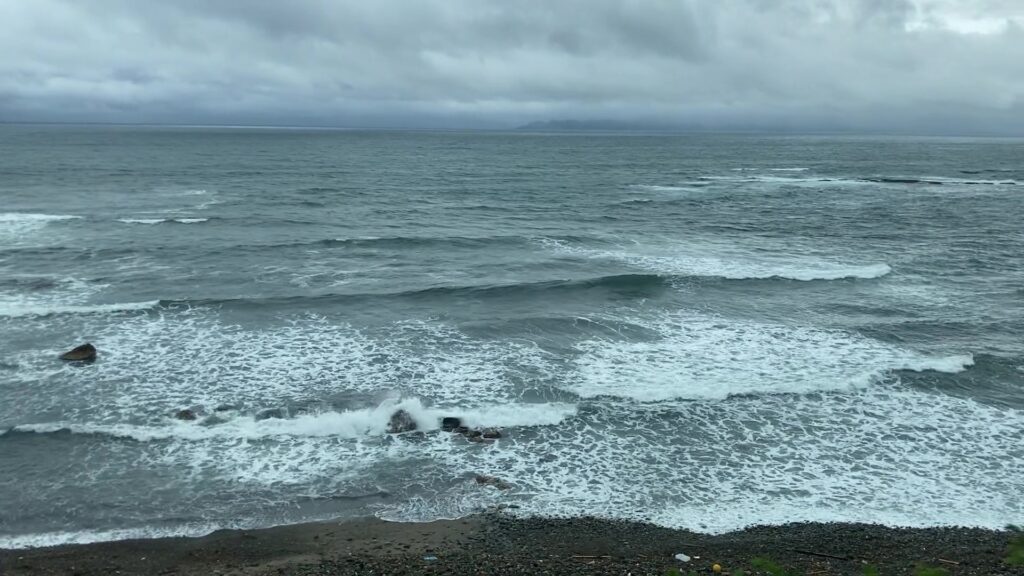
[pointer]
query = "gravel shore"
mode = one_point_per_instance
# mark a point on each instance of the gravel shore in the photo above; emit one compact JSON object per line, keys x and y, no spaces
{"x":494,"y":544}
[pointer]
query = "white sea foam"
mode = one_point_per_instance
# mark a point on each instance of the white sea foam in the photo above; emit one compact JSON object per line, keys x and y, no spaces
{"x":656,"y":188}
{"x":59,"y":295}
{"x":357,"y":423}
{"x":162,"y":220}
{"x":705,"y":357}
{"x":292,"y":362}
{"x":19,"y":217}
{"x":15,"y":226}
{"x":22,"y":309}
{"x":710,"y":463}
{"x":886,"y":455}
{"x":59,"y":538}
{"x":770,"y":169}
{"x":706,"y":463}
{"x":693,"y":259}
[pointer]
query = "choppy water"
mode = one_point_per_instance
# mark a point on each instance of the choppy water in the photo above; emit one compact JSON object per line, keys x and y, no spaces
{"x":702,"y":331}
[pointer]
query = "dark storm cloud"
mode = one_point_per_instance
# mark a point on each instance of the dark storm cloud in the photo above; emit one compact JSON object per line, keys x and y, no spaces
{"x":933,"y":65}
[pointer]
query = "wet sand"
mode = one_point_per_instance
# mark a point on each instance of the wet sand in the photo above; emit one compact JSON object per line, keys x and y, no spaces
{"x":495,"y":544}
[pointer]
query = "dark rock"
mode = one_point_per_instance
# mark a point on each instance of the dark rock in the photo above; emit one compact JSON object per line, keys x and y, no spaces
{"x":185,"y":414}
{"x":450,"y":424}
{"x":461,"y":430}
{"x":83,"y":353}
{"x":498,"y":483}
{"x":225,"y":408}
{"x":401,"y":421}
{"x":491,"y":433}
{"x":269,"y":413}
{"x":473,"y":434}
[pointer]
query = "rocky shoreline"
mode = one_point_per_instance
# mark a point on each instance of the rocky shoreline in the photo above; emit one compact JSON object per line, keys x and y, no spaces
{"x":495,"y":544}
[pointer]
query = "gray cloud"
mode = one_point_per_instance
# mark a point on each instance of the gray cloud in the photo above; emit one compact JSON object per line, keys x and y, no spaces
{"x":914,"y":65}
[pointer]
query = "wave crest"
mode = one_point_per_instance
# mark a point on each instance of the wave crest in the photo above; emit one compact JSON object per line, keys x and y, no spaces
{"x":152,"y":221}
{"x":17,"y":310}
{"x":713,"y":262}
{"x":345,"y":424}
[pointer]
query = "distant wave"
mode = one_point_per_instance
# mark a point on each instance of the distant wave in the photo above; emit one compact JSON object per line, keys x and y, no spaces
{"x":632,"y":282}
{"x":741,"y":267}
{"x":162,"y":220}
{"x":622,"y":283}
{"x":867,"y":272}
{"x":937,"y":181}
{"x":16,"y":310}
{"x":819,"y":181}
{"x":406,"y":241}
{"x":910,"y":181}
{"x":770,"y":169}
{"x":657,"y":188}
{"x":14,"y":226}
{"x":346,"y":424}
{"x":393,"y":242}
{"x":26,"y":217}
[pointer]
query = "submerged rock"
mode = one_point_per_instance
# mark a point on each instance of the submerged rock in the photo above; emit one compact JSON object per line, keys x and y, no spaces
{"x":186,"y":414}
{"x":401,"y":421}
{"x":498,"y":483}
{"x":491,"y":433}
{"x":84,"y":353}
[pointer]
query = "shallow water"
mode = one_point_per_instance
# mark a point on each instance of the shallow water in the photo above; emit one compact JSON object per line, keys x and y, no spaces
{"x":703,"y":331}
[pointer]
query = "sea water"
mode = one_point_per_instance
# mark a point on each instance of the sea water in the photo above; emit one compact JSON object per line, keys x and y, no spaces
{"x":701,"y":331}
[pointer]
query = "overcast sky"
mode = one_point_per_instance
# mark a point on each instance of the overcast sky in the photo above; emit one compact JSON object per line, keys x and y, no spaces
{"x":954,"y":66}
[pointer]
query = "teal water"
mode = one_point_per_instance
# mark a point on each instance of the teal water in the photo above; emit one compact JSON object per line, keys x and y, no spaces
{"x":702,"y":331}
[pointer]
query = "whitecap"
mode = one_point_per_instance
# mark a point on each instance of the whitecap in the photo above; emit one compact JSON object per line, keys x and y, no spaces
{"x":15,"y":226}
{"x":699,"y":356}
{"x":16,"y":217}
{"x":658,"y":188}
{"x":141,"y":220}
{"x":350,"y":424}
{"x":24,"y":309}
{"x":721,"y":262}
{"x":151,"y":221}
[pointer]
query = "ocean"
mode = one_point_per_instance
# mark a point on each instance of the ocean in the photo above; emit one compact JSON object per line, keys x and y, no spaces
{"x":699,"y":331}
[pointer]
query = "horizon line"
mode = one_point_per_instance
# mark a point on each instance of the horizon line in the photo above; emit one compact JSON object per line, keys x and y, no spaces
{"x":522,"y":129}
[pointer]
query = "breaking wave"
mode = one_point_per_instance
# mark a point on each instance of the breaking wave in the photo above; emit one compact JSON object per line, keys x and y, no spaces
{"x":162,"y":220}
{"x":739,"y":267}
{"x":16,"y":217}
{"x":706,"y":357}
{"x":344,"y":424}
{"x":21,"y":310}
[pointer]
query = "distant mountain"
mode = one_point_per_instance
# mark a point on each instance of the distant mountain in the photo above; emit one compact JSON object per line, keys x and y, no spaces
{"x":585,"y":125}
